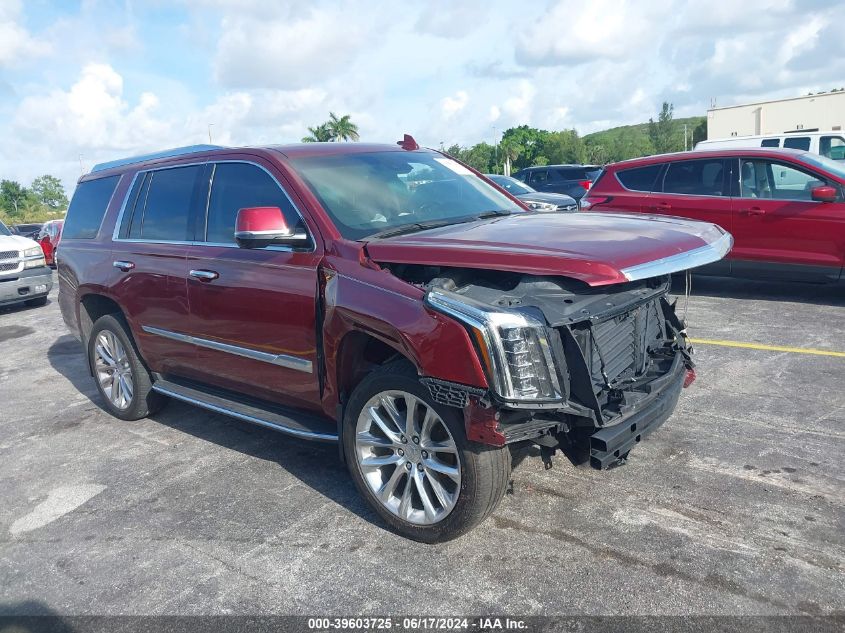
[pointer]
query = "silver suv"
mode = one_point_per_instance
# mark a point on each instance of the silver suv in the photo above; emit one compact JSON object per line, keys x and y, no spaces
{"x":24,"y":275}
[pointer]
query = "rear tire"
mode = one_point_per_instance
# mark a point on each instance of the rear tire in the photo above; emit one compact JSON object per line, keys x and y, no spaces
{"x":462,"y":481}
{"x":122,"y":379}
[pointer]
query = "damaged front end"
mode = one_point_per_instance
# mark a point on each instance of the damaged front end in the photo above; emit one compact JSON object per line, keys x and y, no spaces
{"x":592,"y":369}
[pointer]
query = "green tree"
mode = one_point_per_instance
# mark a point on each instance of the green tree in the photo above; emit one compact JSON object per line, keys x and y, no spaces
{"x":699,"y":132}
{"x":563,"y":147}
{"x":530,"y":142}
{"x":49,"y":191}
{"x":318,"y":134}
{"x":342,"y":128}
{"x":12,"y":197}
{"x":509,"y":150}
{"x":663,"y":135}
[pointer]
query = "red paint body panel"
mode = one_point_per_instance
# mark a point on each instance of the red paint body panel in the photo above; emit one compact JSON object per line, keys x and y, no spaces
{"x":592,"y":248}
{"x":780,"y":234}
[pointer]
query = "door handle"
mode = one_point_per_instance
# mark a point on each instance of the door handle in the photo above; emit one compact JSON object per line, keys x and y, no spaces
{"x":204,"y":275}
{"x":754,"y":211}
{"x":123,"y":265}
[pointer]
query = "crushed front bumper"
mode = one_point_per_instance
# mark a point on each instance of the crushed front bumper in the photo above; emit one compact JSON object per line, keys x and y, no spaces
{"x":610,"y":444}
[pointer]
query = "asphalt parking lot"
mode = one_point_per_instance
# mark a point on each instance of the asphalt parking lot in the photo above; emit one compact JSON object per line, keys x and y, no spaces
{"x":735,"y":506}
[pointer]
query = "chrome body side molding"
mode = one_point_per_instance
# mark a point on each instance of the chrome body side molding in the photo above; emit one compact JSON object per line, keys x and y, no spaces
{"x":282,"y":360}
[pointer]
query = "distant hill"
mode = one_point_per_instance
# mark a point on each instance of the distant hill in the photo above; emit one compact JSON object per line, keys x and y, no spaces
{"x":630,"y":141}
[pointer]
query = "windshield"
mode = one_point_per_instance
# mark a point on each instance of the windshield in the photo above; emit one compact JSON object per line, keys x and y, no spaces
{"x":371,"y":193}
{"x":4,"y":230}
{"x":511,"y":185}
{"x":834,"y":167}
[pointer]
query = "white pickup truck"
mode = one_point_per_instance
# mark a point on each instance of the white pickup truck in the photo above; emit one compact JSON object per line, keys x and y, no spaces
{"x":24,"y":275}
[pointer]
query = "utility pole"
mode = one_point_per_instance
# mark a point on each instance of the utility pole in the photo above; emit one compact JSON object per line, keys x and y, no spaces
{"x":209,"y":133}
{"x":685,"y":137}
{"x":495,"y":146}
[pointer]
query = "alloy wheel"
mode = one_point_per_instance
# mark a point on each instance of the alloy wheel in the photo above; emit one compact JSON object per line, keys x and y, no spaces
{"x":114,"y":373}
{"x":408,"y":457}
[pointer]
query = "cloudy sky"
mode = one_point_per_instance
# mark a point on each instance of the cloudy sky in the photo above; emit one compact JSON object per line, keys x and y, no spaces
{"x":82,"y":82}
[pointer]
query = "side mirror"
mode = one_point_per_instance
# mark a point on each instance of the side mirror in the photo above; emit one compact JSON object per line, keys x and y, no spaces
{"x":824,"y":193}
{"x":257,"y":227}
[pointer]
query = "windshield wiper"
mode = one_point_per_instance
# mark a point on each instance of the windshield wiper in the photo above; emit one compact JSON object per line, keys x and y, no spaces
{"x":404,"y":229}
{"x":413,"y":227}
{"x":492,"y":214}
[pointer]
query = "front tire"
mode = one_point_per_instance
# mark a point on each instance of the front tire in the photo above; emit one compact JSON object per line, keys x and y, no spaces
{"x":122,"y":378}
{"x":410,"y":459}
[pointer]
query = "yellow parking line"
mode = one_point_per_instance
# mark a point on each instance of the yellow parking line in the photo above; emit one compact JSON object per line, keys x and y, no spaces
{"x":768,"y":348}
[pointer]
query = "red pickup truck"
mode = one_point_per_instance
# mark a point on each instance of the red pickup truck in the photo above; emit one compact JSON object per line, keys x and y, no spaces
{"x":384,"y":297}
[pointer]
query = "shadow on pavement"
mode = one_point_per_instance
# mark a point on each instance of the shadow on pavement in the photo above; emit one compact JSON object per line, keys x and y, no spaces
{"x":729,"y":288}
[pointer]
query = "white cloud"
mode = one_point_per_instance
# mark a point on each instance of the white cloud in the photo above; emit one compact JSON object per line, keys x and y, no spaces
{"x":16,"y":43}
{"x":450,"y":106}
{"x":267,"y":51}
{"x":575,"y":32}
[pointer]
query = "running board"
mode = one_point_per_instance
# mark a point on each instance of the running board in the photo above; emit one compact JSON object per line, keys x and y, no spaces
{"x":270,"y":417}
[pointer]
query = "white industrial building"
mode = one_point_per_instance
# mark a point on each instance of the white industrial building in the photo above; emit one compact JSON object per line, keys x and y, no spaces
{"x":823,"y":112}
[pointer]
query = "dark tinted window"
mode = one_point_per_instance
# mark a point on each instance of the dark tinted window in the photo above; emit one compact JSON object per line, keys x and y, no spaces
{"x":236,"y":186}
{"x":538,"y":177}
{"x":639,"y":178}
{"x":88,"y":207}
{"x":571,"y":173}
{"x":134,"y":210}
{"x":770,"y":142}
{"x":797,"y":142}
{"x":167,"y":204}
{"x":695,"y":178}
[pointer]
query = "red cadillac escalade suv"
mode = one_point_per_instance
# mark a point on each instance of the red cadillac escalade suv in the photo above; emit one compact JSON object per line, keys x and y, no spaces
{"x":384,"y":297}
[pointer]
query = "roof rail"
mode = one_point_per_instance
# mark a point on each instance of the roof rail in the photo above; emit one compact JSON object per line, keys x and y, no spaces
{"x":167,"y":153}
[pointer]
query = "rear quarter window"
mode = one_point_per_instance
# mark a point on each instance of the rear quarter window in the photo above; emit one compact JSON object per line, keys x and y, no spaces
{"x":639,"y":178}
{"x":797,"y":142}
{"x":87,"y":208}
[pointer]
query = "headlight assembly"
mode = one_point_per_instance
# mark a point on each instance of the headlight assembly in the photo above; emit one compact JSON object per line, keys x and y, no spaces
{"x":513,"y":346}
{"x":34,"y":258}
{"x":541,"y":206}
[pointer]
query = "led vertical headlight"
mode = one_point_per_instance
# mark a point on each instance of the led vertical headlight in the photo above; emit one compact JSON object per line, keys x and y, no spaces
{"x":513,"y":346}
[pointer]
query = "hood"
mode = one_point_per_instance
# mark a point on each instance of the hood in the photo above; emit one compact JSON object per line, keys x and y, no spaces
{"x":552,"y":198}
{"x":596,"y":248}
{"x":16,"y":243}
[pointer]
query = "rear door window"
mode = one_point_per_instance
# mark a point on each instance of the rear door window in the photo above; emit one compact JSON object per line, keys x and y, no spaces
{"x":88,"y":206}
{"x":797,"y":142}
{"x":539,"y":177}
{"x":696,"y":178}
{"x":639,"y":178}
{"x":163,"y":203}
{"x":236,"y":186}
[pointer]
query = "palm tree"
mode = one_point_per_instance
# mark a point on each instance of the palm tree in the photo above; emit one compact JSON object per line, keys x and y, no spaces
{"x":342,"y":128}
{"x":319,"y":134}
{"x":510,"y":152}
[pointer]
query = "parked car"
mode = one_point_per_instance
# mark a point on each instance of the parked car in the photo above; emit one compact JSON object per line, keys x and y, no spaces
{"x":785,"y":208}
{"x":424,"y":325}
{"x":24,"y":275}
{"x":533,"y":199}
{"x":29,"y":231}
{"x":829,"y":144}
{"x":572,"y":180}
{"x":49,"y":237}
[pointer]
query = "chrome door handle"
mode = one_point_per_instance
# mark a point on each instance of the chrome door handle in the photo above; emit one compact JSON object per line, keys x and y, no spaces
{"x":754,"y":211}
{"x":204,"y":275}
{"x":124,"y":266}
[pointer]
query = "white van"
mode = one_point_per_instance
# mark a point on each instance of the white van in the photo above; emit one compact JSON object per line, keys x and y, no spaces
{"x":830,"y":144}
